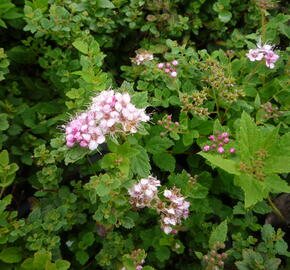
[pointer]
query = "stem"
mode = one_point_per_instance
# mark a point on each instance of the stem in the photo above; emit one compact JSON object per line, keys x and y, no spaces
{"x":91,"y":164}
{"x":263,"y":24}
{"x":217,"y":105}
{"x":276,"y":210}
{"x":2,"y":191}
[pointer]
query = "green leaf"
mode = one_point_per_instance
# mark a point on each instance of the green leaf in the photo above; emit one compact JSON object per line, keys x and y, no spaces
{"x":248,"y":138}
{"x":81,"y":46}
{"x":188,"y":138}
{"x":11,"y":255}
{"x":41,"y":258}
{"x":3,"y":121}
{"x":268,"y":233}
{"x":139,"y":99}
{"x":82,"y":257}
{"x":128,"y":222}
{"x":276,"y":185}
{"x":158,"y":144}
{"x":225,"y":16}
{"x":74,"y":154}
{"x":219,"y":233}
{"x":277,"y":164}
{"x":228,"y":165}
{"x":105,"y":4}
{"x":282,"y":247}
{"x":164,"y":161}
{"x":4,"y":158}
{"x":162,"y":253}
{"x":140,"y":164}
{"x":62,"y":265}
{"x":254,"y":189}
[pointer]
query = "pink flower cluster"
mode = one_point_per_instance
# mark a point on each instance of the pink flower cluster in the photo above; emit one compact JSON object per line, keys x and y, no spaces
{"x":178,"y":208}
{"x":108,"y":113}
{"x":263,"y":52}
{"x":218,"y":143}
{"x":144,"y":193}
{"x":169,"y":68}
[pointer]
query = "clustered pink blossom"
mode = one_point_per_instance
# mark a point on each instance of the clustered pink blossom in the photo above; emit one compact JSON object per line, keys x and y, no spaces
{"x":218,"y":143}
{"x":169,"y":68}
{"x":108,"y":113}
{"x":263,"y":52}
{"x":144,"y":192}
{"x":172,"y":210}
{"x":178,"y":208}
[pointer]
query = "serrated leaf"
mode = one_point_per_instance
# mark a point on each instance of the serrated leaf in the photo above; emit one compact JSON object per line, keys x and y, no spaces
{"x":164,"y":161}
{"x":254,"y":190}
{"x":139,"y":99}
{"x":140,"y":164}
{"x":276,"y":185}
{"x":268,"y":233}
{"x":248,"y":138}
{"x":82,"y":257}
{"x":3,"y":121}
{"x":81,"y":46}
{"x":219,"y":233}
{"x":4,"y":158}
{"x":225,"y":16}
{"x":162,"y":253}
{"x":158,"y":144}
{"x":228,"y":165}
{"x":128,"y":222}
{"x":105,"y":4}
{"x":74,"y":154}
{"x":11,"y":255}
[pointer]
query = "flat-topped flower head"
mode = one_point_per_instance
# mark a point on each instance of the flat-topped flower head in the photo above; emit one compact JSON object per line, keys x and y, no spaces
{"x":144,"y":192}
{"x":108,"y":113}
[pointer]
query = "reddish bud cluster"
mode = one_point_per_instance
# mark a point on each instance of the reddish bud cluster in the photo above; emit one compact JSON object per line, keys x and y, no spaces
{"x":169,"y":68}
{"x":218,"y":143}
{"x":213,"y":259}
{"x":169,"y":125}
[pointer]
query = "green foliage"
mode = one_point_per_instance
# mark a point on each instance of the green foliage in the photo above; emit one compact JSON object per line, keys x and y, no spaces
{"x":69,"y":208}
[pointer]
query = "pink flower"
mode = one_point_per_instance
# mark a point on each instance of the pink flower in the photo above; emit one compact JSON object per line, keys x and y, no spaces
{"x":175,"y":63}
{"x":226,"y":140}
{"x":173,"y":74}
{"x":233,"y":150}
{"x":220,"y":149}
{"x":212,"y":137}
{"x":206,"y":148}
{"x":225,"y":134}
{"x":160,"y":65}
{"x":255,"y":55}
{"x":167,"y":70}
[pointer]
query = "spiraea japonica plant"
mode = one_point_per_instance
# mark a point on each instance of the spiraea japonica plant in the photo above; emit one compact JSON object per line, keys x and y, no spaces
{"x":141,"y":134}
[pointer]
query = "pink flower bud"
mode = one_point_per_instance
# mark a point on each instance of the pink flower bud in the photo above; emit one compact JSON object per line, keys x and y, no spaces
{"x":213,"y":146}
{"x":212,"y":137}
{"x":175,"y":63}
{"x":225,"y":134}
{"x":160,"y":65}
{"x":168,"y":64}
{"x":221,"y":150}
{"x":166,"y":70}
{"x":233,"y":150}
{"x":226,"y":140}
{"x":220,"y":144}
{"x":139,"y":267}
{"x":220,"y":137}
{"x":206,"y":148}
